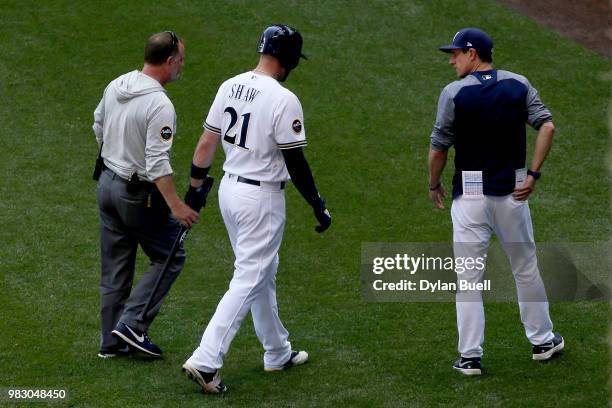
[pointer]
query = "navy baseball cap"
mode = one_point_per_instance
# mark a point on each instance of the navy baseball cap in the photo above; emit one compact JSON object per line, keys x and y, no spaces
{"x":471,"y":38}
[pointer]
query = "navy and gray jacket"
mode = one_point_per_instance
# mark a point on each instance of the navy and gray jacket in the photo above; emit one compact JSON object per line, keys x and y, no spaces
{"x":483,"y":115}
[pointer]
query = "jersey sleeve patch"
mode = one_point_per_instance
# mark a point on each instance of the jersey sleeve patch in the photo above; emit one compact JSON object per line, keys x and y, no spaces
{"x":165,"y":133}
{"x":213,"y":129}
{"x":297,"y":126}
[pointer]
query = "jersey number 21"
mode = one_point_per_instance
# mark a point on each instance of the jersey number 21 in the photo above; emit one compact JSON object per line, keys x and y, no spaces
{"x":243,"y":129}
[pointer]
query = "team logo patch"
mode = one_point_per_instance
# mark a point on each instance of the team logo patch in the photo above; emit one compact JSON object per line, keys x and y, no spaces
{"x":166,"y":133}
{"x":297,"y":126}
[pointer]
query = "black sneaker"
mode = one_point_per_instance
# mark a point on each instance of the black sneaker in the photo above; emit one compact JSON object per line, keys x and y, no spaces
{"x":296,"y":358}
{"x":136,"y":339}
{"x":546,"y":350}
{"x":119,"y":350}
{"x":468,"y":366}
{"x":210,"y":382}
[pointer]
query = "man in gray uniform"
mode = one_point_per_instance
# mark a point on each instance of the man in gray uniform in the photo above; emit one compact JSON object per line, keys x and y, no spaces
{"x":134,"y":124}
{"x":483,"y":116}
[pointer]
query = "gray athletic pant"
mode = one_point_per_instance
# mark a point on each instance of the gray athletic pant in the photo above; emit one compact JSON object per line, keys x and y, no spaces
{"x":132,"y":216}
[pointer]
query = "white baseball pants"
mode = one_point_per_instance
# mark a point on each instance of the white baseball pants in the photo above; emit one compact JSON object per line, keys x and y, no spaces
{"x":475,"y":219}
{"x":255,"y":218}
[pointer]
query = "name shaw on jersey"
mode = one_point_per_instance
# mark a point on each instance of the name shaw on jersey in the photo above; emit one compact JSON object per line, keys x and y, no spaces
{"x":238,"y":92}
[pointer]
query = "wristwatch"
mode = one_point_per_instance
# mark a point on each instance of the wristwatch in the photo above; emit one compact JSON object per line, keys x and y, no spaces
{"x":535,"y":174}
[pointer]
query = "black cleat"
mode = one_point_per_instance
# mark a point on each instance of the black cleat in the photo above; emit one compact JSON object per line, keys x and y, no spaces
{"x":120,"y":350}
{"x":547,"y":350}
{"x":468,"y":366}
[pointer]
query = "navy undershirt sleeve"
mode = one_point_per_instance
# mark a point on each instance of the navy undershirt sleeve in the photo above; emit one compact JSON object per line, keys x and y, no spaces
{"x":300,"y":173}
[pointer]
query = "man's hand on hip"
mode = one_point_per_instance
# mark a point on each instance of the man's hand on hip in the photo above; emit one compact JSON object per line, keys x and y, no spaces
{"x":523,"y":192}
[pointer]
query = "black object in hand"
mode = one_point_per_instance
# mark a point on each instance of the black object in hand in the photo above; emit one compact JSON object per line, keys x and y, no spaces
{"x":196,"y":197}
{"x":323,"y":216}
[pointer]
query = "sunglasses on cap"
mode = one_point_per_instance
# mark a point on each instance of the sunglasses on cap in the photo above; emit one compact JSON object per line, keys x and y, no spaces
{"x":173,"y":39}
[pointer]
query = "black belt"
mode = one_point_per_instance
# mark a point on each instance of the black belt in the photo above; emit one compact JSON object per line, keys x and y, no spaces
{"x":135,"y":181}
{"x":245,"y":180}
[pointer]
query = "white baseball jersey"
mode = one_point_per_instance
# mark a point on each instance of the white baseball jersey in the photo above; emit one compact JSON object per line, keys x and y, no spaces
{"x":256,"y":117}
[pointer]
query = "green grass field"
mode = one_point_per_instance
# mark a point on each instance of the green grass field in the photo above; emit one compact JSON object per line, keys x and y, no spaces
{"x":369,"y":91}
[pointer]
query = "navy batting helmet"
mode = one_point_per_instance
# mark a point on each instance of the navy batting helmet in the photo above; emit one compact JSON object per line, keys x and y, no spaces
{"x":282,"y":42}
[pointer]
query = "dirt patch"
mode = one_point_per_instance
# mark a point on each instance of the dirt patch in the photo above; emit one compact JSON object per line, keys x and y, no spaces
{"x":588,"y":22}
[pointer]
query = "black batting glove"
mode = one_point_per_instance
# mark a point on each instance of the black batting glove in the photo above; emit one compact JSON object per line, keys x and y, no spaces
{"x":323,"y":216}
{"x":195,"y":197}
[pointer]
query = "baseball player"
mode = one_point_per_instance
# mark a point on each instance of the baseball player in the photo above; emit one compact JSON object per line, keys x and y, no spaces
{"x":134,"y":124}
{"x":483,"y":116}
{"x":260,"y":125}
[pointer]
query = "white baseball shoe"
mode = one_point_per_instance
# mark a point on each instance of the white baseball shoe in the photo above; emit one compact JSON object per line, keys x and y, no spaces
{"x":210,"y":382}
{"x":296,"y":358}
